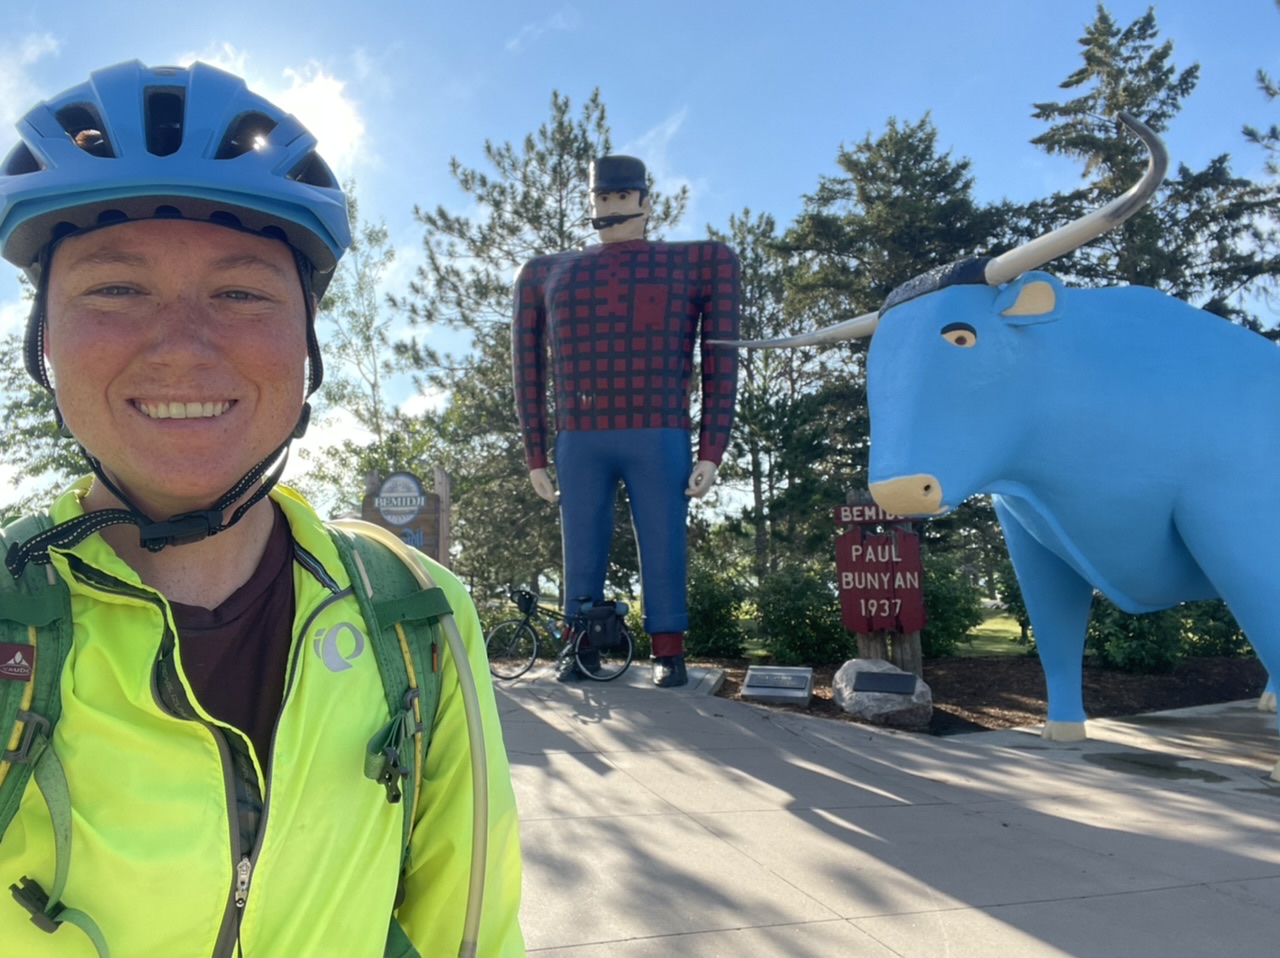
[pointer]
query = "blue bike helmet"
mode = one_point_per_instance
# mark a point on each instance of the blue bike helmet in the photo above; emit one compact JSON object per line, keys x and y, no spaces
{"x":184,"y":142}
{"x":137,"y":143}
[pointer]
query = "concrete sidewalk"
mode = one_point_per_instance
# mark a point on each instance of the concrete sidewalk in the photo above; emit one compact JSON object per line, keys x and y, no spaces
{"x":673,"y":823}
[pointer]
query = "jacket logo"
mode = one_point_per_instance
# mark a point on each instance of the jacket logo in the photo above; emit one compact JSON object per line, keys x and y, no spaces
{"x":328,"y":644}
{"x":16,"y":661}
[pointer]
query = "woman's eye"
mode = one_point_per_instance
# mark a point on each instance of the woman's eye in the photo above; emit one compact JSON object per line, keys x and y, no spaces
{"x":113,"y":290}
{"x":240,"y":295}
{"x":960,"y":334}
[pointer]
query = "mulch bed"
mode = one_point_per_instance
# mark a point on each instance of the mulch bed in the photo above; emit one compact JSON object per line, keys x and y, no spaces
{"x":1007,"y":691}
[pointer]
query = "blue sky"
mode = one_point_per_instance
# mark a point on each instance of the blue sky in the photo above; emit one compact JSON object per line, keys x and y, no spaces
{"x":747,"y":108}
{"x":746,"y":103}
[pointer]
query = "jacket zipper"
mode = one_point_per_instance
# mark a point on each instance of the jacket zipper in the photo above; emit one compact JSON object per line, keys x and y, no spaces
{"x":246,"y":863}
{"x":229,"y":935}
{"x":244,"y":872}
{"x":101,"y":581}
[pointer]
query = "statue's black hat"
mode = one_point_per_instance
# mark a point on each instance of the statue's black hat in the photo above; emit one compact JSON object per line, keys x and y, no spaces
{"x":612,"y":173}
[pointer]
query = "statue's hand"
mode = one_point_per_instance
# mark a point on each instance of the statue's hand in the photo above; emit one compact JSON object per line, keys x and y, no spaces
{"x":702,"y":478}
{"x":543,"y":485}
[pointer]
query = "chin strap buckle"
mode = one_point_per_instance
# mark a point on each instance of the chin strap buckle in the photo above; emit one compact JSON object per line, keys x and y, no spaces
{"x":180,"y":530}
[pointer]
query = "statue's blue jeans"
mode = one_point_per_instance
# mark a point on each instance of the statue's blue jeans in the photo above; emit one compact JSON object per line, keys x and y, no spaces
{"x":654,"y":466}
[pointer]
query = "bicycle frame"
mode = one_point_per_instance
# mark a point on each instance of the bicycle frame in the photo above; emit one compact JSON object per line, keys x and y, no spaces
{"x":542,"y":624}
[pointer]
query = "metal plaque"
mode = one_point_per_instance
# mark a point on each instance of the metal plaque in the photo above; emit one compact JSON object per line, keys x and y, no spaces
{"x":900,"y":684}
{"x":778,"y":685}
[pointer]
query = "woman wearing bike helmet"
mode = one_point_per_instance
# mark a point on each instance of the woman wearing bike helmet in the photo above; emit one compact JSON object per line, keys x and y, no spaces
{"x":220,"y":686}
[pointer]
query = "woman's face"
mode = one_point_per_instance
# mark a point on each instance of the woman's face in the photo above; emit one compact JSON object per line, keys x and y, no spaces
{"x":178,"y":353}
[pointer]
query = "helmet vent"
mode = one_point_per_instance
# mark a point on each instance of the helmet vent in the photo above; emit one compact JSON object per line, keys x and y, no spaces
{"x":107,"y":217}
{"x":164,"y":122}
{"x":314,"y":172}
{"x":247,"y":132}
{"x":223,"y":218}
{"x":21,"y":160}
{"x":85,"y":127}
{"x":62,"y":230}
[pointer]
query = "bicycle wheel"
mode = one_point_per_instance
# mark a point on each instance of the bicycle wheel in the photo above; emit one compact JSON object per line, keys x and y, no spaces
{"x":512,"y":648}
{"x":607,"y":664}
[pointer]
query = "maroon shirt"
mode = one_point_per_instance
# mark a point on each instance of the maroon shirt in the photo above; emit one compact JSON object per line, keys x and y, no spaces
{"x":236,"y":656}
{"x":621,"y":319}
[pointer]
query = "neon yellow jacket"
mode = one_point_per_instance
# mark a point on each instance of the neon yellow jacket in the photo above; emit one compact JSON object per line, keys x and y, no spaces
{"x":154,"y":837}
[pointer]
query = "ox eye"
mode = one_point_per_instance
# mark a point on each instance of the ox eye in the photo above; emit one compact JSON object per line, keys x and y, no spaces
{"x":960,"y":334}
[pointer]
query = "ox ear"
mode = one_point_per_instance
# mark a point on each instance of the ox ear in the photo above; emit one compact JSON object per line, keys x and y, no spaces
{"x":1030,"y":299}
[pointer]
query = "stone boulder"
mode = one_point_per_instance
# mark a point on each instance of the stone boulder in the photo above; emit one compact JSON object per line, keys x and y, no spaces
{"x":882,"y":708}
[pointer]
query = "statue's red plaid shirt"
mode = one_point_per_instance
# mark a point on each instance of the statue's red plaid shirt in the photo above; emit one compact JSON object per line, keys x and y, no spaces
{"x":621,"y":320}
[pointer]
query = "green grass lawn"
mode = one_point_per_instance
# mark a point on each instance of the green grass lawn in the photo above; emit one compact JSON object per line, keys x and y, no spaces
{"x":998,"y":635}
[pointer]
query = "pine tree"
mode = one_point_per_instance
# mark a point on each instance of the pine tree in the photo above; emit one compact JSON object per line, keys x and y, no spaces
{"x":769,"y":384}
{"x":1208,"y":235}
{"x":898,"y":207}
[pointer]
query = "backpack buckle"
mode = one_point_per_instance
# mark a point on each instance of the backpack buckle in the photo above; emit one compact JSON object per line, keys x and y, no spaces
{"x":32,"y":724}
{"x":392,"y":772}
{"x":33,"y":898}
{"x":410,"y":697}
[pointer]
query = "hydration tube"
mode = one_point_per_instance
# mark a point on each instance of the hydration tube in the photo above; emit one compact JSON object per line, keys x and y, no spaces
{"x":475,"y":732}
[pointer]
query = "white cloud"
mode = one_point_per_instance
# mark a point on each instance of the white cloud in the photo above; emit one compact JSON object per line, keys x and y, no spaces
{"x":652,"y":144}
{"x":221,"y":55}
{"x":370,"y":72}
{"x":13,"y":315}
{"x":311,"y":93}
{"x":653,"y":147}
{"x":433,"y":400}
{"x":18,"y":92}
{"x":565,"y":20}
{"x":320,"y":101}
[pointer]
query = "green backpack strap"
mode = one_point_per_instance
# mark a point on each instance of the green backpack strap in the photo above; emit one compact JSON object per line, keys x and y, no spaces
{"x":403,"y":620}
{"x":35,"y":639}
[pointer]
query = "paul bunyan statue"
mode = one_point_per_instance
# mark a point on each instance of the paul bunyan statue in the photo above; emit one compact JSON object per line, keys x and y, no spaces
{"x":621,"y":319}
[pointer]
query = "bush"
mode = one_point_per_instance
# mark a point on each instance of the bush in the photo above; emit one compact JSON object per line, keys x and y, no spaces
{"x":953,"y":605}
{"x":800,"y":619}
{"x":639,"y":637}
{"x":1209,"y":628}
{"x":715,"y":600}
{"x":1147,"y":644}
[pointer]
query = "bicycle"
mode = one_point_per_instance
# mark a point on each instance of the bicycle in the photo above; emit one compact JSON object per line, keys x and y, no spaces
{"x":596,"y":638}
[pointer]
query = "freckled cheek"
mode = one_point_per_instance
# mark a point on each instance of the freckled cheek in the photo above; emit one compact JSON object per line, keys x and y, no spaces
{"x":81,"y":355}
{"x":278,"y":361}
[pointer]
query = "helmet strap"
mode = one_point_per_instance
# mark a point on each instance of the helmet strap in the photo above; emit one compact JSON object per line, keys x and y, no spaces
{"x":177,"y":530}
{"x":33,"y":337}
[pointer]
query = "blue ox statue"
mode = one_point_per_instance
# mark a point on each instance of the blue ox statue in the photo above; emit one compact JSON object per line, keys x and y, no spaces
{"x":1127,"y":439}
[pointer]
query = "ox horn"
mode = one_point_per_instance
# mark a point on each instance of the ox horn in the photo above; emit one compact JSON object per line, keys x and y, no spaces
{"x":859,"y":327}
{"x":1016,"y":261}
{"x":1040,"y":250}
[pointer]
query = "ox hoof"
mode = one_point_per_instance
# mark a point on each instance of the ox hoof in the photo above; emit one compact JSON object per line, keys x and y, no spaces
{"x":1064,"y":732}
{"x":1267,"y":702}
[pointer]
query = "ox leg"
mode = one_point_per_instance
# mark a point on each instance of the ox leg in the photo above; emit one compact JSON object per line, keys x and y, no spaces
{"x":1057,"y":601}
{"x":1267,"y":701}
{"x":1240,"y":567}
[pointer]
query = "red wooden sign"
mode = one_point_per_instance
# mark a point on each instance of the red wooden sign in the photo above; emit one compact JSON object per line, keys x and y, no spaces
{"x":880,"y":580}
